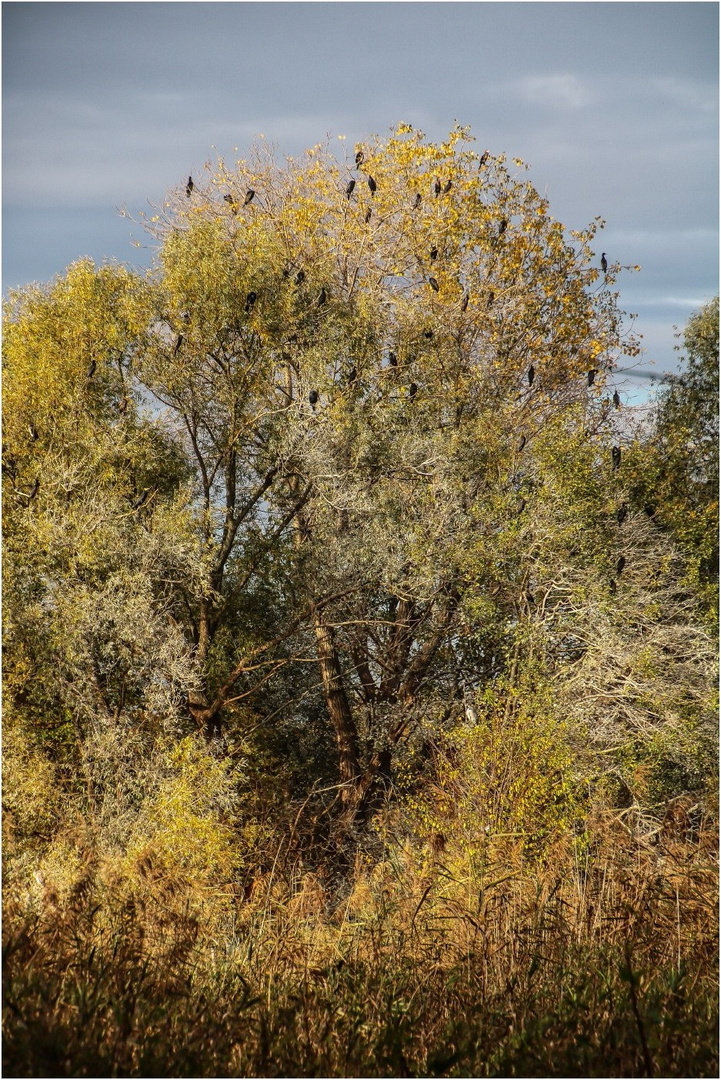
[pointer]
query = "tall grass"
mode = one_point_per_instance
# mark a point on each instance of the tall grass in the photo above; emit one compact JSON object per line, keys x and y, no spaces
{"x":595,"y":964}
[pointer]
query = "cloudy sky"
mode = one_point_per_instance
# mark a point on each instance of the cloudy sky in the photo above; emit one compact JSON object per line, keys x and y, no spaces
{"x":613,"y":105}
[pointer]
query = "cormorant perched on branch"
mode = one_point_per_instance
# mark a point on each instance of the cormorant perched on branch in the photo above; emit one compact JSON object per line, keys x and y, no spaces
{"x":91,"y":369}
{"x":620,"y":565}
{"x":367,"y":215}
{"x":249,"y":196}
{"x":372,"y":185}
{"x":616,"y":457}
{"x":503,"y":226}
{"x":33,"y":431}
{"x":622,"y":514}
{"x":417,"y":200}
{"x":531,"y":375}
{"x":616,"y":399}
{"x":491,"y":298}
{"x":434,"y":253}
{"x":428,"y":334}
{"x":464,"y":301}
{"x":322,"y":298}
{"x":437,"y":187}
{"x":412,"y":391}
{"x":484,"y":159}
{"x":189,"y":187}
{"x":250,"y":302}
{"x":300,"y":277}
{"x":433,"y":284}
{"x":34,"y":489}
{"x":612,"y":587}
{"x":604,"y":264}
{"x":392,"y":359}
{"x":352,"y":375}
{"x":349,"y":188}
{"x":178,"y":343}
{"x":592,"y":376}
{"x":142,"y":500}
{"x":312,"y":398}
{"x":448,"y":186}
{"x":359,"y":158}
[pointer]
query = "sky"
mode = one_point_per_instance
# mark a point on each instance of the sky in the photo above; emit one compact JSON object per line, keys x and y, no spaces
{"x":614,"y":106}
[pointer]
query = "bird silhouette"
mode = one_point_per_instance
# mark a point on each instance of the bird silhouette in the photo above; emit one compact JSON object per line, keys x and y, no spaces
{"x":372,"y":185}
{"x":250,"y":302}
{"x":392,"y":359}
{"x":359,"y":158}
{"x":448,"y":186}
{"x":231,"y":203}
{"x":433,"y":284}
{"x":249,"y":196}
{"x":649,"y":509}
{"x":616,"y":457}
{"x":484,"y":159}
{"x":91,"y":369}
{"x":367,"y":216}
{"x":142,"y":500}
{"x":428,"y":335}
{"x":178,"y":343}
{"x":34,"y":489}
{"x":592,"y":376}
{"x":189,"y":187}
{"x":434,"y":253}
{"x":612,"y":587}
{"x":620,"y":565}
{"x":531,"y":375}
{"x":464,"y":301}
{"x":352,"y":375}
{"x":437,"y":187}
{"x":349,"y":188}
{"x":300,"y":277}
{"x":604,"y":264}
{"x":412,"y":391}
{"x":616,"y":399}
{"x":312,"y":398}
{"x":503,"y":226}
{"x":33,"y":431}
{"x":417,"y":200}
{"x":491,"y":298}
{"x":322,"y":298}
{"x":621,"y":514}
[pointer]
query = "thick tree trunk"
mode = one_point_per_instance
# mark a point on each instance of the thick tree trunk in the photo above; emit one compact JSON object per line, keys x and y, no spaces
{"x":338,"y":709}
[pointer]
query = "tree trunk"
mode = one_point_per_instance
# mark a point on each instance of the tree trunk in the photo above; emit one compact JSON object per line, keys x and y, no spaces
{"x":338,"y":708}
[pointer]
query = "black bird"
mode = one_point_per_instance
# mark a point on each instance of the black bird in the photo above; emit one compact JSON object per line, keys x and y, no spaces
{"x":437,"y":187}
{"x":464,"y":301}
{"x":312,"y":398}
{"x":531,"y":375}
{"x":352,"y":375}
{"x":143,"y":498}
{"x":322,"y":298}
{"x":434,"y":252}
{"x":491,"y":298}
{"x":622,"y":514}
{"x":249,"y":196}
{"x":612,"y":587}
{"x":522,"y":442}
{"x":604,"y":264}
{"x":417,"y":200}
{"x":620,"y":565}
{"x":178,"y":343}
{"x":592,"y":376}
{"x":484,"y":159}
{"x":349,"y":188}
{"x":359,"y":158}
{"x":503,"y":226}
{"x":91,"y":369}
{"x":392,"y":359}
{"x":34,"y":489}
{"x":231,"y":203}
{"x":433,"y":284}
{"x":428,"y":334}
{"x":616,"y":457}
{"x":412,"y":391}
{"x":448,"y":186}
{"x":367,"y":215}
{"x":300,"y":277}
{"x":250,"y":302}
{"x":372,"y":185}
{"x":616,"y":399}
{"x":33,"y":431}
{"x":189,"y":187}
{"x":649,"y":509}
